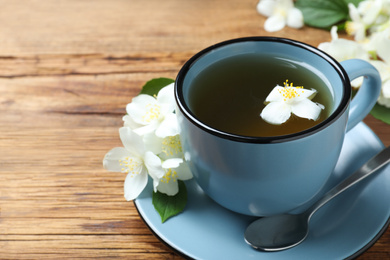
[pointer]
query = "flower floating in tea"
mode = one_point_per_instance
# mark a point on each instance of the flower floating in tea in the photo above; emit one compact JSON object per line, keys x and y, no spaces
{"x":287,"y":100}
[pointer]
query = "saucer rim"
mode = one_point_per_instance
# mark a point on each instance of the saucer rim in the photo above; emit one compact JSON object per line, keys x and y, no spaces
{"x":352,"y":255}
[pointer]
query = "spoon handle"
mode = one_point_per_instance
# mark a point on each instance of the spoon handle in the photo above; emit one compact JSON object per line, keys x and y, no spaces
{"x":374,"y":164}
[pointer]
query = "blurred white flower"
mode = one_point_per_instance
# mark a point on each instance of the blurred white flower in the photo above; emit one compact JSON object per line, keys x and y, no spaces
{"x":343,"y":49}
{"x":280,"y":13}
{"x":378,"y":44}
{"x":357,"y":26}
{"x":370,"y":15}
{"x":384,"y":71}
{"x":370,"y":10}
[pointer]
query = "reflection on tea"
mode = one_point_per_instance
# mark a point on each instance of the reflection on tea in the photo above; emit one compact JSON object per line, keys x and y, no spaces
{"x":229,"y":95}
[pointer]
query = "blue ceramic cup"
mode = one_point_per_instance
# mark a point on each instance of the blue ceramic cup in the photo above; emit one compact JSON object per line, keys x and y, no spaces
{"x":263,"y":176}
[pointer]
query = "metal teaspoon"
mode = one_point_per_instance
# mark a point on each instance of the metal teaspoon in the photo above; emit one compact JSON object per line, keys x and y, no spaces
{"x":280,"y":232}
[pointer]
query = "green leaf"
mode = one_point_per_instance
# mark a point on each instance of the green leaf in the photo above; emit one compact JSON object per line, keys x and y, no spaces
{"x":169,"y":206}
{"x":152,"y":87}
{"x":381,"y":113}
{"x":323,"y":14}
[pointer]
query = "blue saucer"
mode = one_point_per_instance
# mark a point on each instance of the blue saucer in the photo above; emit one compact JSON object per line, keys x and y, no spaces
{"x":344,"y":228}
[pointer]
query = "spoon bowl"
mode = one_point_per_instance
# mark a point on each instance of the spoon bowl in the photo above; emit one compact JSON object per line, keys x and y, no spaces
{"x":280,"y":232}
{"x":283,"y":231}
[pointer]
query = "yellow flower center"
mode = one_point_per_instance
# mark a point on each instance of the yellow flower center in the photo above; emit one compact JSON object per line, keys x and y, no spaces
{"x":289,"y":91}
{"x":350,"y":27}
{"x":152,"y":112}
{"x":130,"y":165}
{"x":171,"y":145}
{"x":170,"y":175}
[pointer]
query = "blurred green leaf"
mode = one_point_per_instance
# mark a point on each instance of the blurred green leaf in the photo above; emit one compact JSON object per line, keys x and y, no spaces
{"x":152,"y":87}
{"x":382,"y":113}
{"x":323,"y":14}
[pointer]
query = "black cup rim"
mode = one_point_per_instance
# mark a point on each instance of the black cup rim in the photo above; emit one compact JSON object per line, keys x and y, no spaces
{"x":341,"y":108}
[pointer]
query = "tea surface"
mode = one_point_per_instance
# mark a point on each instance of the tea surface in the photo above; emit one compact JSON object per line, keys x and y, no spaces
{"x":229,"y":95}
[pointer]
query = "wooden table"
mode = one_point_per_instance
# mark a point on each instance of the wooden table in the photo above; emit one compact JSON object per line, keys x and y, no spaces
{"x":68,"y":69}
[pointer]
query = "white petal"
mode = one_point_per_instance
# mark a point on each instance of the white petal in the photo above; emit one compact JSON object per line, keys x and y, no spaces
{"x":183,"y":172}
{"x":384,"y":101}
{"x":383,"y":44}
{"x":147,"y":129}
{"x":129,"y":122}
{"x":333,"y":32}
{"x":369,"y":10}
{"x":383,"y":69}
{"x":168,"y":127}
{"x":111,"y":159}
{"x":343,"y":49}
{"x":139,"y":108}
{"x":266,"y":7}
{"x":172,"y":163}
{"x":275,"y":94}
{"x":276,"y":113}
{"x":275,"y":23}
{"x":306,"y":93}
{"x":167,"y":96}
{"x":135,"y":184}
{"x":386,"y":89}
{"x":171,"y":148}
{"x":153,"y":143}
{"x":306,"y":109}
{"x":325,"y":46}
{"x":384,"y":97}
{"x":354,"y":13}
{"x":356,"y":83}
{"x":295,"y":18}
{"x":360,"y":34}
{"x":153,"y":164}
{"x":171,"y":188}
{"x":131,"y":141}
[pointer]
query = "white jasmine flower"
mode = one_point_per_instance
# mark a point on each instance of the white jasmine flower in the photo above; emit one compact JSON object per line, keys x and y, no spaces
{"x":384,"y":70}
{"x":165,"y":148}
{"x":384,"y":97}
{"x":380,"y":41}
{"x":170,"y":152}
{"x":369,"y":14}
{"x":134,"y":160}
{"x":280,"y":13}
{"x":370,"y":10}
{"x":175,"y":169}
{"x":287,"y":100}
{"x":343,"y":49}
{"x":147,"y":114}
{"x":356,"y":27}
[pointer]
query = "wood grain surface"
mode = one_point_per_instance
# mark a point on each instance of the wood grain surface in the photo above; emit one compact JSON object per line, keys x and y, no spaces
{"x":67,"y":71}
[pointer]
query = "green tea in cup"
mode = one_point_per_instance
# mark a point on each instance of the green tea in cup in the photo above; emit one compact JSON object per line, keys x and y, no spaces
{"x":230,"y":94}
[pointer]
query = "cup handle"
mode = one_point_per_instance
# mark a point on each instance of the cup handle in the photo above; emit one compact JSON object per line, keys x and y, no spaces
{"x":368,"y":92}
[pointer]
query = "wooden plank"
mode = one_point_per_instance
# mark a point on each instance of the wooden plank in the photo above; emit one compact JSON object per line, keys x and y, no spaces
{"x":83,"y":246}
{"x":68,"y":69}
